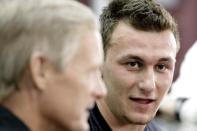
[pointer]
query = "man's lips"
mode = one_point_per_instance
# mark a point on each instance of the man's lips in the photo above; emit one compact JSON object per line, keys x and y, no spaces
{"x":142,"y":100}
{"x":91,"y":106}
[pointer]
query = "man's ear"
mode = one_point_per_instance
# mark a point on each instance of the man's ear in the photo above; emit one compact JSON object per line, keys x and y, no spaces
{"x":38,"y":69}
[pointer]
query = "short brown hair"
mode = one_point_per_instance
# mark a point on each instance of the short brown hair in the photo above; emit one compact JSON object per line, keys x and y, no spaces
{"x":146,"y":15}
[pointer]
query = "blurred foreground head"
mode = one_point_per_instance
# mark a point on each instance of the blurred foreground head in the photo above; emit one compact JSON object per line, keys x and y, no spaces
{"x":50,"y":55}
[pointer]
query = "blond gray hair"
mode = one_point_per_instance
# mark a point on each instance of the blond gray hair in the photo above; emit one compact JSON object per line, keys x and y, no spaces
{"x":27,"y":26}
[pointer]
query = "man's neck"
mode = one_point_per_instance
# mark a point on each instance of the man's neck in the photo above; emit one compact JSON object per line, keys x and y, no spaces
{"x":114,"y":123}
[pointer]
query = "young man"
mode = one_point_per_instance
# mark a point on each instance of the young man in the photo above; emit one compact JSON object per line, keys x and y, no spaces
{"x":50,"y":56}
{"x":140,"y":42}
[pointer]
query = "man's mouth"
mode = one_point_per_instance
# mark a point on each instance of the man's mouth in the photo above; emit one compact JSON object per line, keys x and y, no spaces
{"x":90,"y":107}
{"x":89,"y":110}
{"x":142,"y":100}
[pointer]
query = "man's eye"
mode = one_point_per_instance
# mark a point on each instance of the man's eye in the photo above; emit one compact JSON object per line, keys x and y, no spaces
{"x":161,"y":67}
{"x":134,"y":65}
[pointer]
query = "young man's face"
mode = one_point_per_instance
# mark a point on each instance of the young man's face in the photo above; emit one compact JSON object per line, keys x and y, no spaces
{"x":138,"y":71}
{"x":72,"y":93}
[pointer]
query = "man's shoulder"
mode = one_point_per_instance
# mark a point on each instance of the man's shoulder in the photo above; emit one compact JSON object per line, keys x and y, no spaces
{"x":3,"y":128}
{"x":97,"y":122}
{"x":10,"y":122}
{"x":152,"y":126}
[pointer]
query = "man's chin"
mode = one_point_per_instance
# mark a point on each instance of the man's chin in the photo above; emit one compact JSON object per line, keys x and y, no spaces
{"x":140,"y":120}
{"x":81,"y":125}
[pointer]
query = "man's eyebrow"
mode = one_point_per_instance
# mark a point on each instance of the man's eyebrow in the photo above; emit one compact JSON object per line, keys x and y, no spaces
{"x":165,"y":59}
{"x":168,"y":59}
{"x":131,"y":57}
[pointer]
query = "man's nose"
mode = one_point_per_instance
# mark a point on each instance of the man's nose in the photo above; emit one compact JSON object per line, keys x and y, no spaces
{"x":100,"y":90}
{"x":148,"y":80}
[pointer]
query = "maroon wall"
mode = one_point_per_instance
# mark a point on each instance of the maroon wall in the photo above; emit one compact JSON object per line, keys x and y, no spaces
{"x":186,"y":16}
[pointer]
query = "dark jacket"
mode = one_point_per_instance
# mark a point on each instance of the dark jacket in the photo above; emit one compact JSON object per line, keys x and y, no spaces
{"x":98,"y":123}
{"x":9,"y":122}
